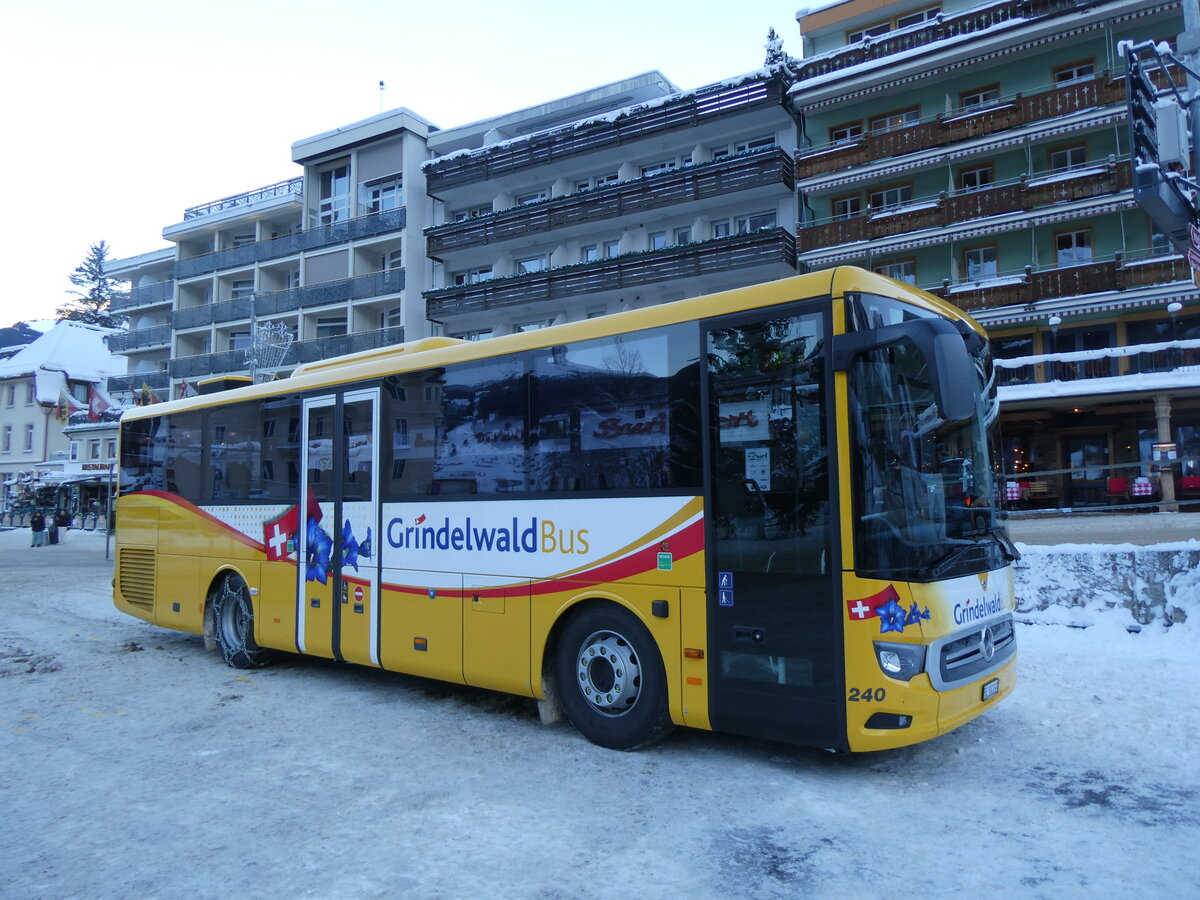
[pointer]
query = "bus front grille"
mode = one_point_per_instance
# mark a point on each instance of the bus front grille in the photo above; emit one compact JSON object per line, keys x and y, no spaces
{"x":969,"y":655}
{"x":137,"y":577}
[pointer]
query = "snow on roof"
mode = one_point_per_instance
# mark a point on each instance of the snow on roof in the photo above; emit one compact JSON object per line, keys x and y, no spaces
{"x":603,"y":118}
{"x":71,"y":350}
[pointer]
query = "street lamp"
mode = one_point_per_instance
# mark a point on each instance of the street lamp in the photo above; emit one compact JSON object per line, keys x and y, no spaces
{"x":1173,"y":308}
{"x":1054,"y":322}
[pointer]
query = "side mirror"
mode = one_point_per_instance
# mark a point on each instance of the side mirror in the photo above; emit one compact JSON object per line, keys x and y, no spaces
{"x":944,"y":348}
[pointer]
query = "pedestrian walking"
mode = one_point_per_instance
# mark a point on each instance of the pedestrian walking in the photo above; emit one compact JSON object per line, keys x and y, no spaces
{"x":37,"y":524}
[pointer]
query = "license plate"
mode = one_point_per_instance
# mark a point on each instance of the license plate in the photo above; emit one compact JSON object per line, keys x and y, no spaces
{"x":991,"y":689}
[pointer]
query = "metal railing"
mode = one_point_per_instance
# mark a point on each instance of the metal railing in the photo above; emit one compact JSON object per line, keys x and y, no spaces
{"x":698,"y":182}
{"x":1110,"y":362}
{"x":278,"y":189}
{"x":128,"y":384}
{"x":145,"y":295}
{"x":296,"y":242}
{"x":140,"y":338}
{"x":230,"y":361}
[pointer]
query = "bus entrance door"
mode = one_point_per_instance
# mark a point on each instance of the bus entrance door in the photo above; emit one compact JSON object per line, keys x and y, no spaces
{"x":774,"y":640}
{"x":338,"y":595}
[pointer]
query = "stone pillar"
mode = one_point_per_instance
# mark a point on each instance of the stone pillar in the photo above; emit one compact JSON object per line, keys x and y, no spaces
{"x":1166,"y":475}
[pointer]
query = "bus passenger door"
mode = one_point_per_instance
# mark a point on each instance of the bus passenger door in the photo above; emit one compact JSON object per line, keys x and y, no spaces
{"x":774,"y":621}
{"x":338,"y":595}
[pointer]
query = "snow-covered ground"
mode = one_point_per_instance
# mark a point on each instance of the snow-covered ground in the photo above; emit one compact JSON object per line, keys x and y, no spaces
{"x":133,"y":763}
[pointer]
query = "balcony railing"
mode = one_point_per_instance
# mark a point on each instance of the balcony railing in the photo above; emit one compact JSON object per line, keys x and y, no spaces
{"x":128,"y":384}
{"x":956,"y":209}
{"x":291,"y":244}
{"x":140,"y":338}
{"x":279,"y":189}
{"x":700,"y":182}
{"x":761,"y":248}
{"x":267,"y":304}
{"x":947,"y":128}
{"x":1097,"y":277}
{"x":679,"y":111}
{"x":229,"y":361}
{"x":977,"y":19}
{"x":145,"y":295}
{"x":1111,"y":362}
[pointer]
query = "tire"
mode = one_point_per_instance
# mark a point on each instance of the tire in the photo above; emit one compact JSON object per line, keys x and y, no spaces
{"x":233,"y":625}
{"x":611,"y":679}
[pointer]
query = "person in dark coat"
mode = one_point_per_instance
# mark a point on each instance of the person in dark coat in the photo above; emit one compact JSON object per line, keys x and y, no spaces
{"x":37,"y":524}
{"x":62,"y":522}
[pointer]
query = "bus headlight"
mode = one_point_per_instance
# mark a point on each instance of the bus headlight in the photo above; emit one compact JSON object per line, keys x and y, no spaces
{"x":900,"y":661}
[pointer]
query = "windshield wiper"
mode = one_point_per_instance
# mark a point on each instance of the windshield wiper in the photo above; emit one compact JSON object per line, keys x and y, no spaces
{"x":1010,"y":549}
{"x":951,"y":556}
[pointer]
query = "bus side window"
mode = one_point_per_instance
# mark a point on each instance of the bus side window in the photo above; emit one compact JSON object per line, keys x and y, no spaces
{"x":411,"y":421}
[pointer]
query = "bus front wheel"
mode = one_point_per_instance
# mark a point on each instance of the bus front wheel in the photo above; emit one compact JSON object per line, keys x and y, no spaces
{"x":611,"y":679}
{"x":233,"y":625}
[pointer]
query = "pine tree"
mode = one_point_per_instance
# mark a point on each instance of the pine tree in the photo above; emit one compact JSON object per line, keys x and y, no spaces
{"x":97,"y":291}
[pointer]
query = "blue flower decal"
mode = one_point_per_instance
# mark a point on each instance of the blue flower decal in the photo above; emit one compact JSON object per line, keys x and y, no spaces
{"x":364,"y":549}
{"x":915,"y":615}
{"x":891,"y":616}
{"x":349,"y":547}
{"x":318,"y":546}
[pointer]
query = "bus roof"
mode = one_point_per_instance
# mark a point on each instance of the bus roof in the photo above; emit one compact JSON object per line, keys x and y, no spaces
{"x":440,"y":351}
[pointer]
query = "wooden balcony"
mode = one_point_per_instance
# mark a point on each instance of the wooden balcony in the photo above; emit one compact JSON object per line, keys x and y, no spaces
{"x":701,"y":182}
{"x":762,"y":248}
{"x":949,"y":128}
{"x":947,"y":210}
{"x":684,"y":110}
{"x":1098,"y":277}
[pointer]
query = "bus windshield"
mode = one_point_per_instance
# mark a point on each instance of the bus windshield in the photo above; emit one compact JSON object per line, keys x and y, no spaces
{"x":925,"y":496}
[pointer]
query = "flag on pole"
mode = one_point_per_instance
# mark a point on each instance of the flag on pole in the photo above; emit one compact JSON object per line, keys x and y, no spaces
{"x":146,"y":396}
{"x":96,"y":404}
{"x":65,"y":406}
{"x":184,"y":388}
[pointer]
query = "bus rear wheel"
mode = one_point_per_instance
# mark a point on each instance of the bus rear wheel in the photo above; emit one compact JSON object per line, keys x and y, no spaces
{"x":611,"y":679}
{"x":233,"y":625}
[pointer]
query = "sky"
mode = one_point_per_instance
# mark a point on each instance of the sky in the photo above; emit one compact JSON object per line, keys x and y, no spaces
{"x":121,"y":114}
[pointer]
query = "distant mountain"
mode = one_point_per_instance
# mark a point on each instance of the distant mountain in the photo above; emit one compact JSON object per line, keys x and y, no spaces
{"x":18,"y":334}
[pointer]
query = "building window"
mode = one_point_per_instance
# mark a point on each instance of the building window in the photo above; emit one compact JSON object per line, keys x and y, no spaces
{"x":763,"y":221}
{"x":853,"y":37}
{"x":28,"y":438}
{"x":666,"y":165}
{"x":471,"y":276}
{"x":902,"y":270}
{"x":845,"y":134}
{"x":93,"y":449}
{"x":392,"y":318}
{"x":890,"y":198}
{"x":1081,"y":71}
{"x":611,"y":249}
{"x":6,"y":444}
{"x":918,"y":18}
{"x":239,"y":340}
{"x":720,"y":228}
{"x":531,"y":264}
{"x":471,"y":212}
{"x":979,"y":98}
{"x":330,"y":326}
{"x":980,"y":262}
{"x":532,"y":197}
{"x":681,"y":236}
{"x":382,"y":194}
{"x":1066,"y":158}
{"x":10,"y":395}
{"x":587,"y":184}
{"x":975,"y":179}
{"x":754,"y":145}
{"x":900,"y":119}
{"x":1160,"y":244}
{"x":658,"y":240}
{"x":393,"y":259}
{"x":474,"y":335}
{"x":110,"y":449}
{"x":846,"y":207}
{"x":241,"y":240}
{"x":241,"y":288}
{"x":531,"y":326}
{"x":74,"y":451}
{"x":29,"y":393}
{"x":589,"y":253}
{"x":1072,"y":248}
{"x":333,"y":188}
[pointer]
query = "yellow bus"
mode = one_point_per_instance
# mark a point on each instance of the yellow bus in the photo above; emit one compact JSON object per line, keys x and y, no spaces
{"x":770,"y":511}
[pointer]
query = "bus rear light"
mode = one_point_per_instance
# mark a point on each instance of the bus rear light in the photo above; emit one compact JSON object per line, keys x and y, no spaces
{"x":693,"y":680}
{"x":900,"y":661}
{"x":693,"y":653}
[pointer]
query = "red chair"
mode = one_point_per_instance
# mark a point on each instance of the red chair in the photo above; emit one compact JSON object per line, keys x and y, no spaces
{"x":1118,"y":488}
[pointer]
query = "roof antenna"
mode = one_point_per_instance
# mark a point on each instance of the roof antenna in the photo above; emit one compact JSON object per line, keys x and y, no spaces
{"x":382,"y":87}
